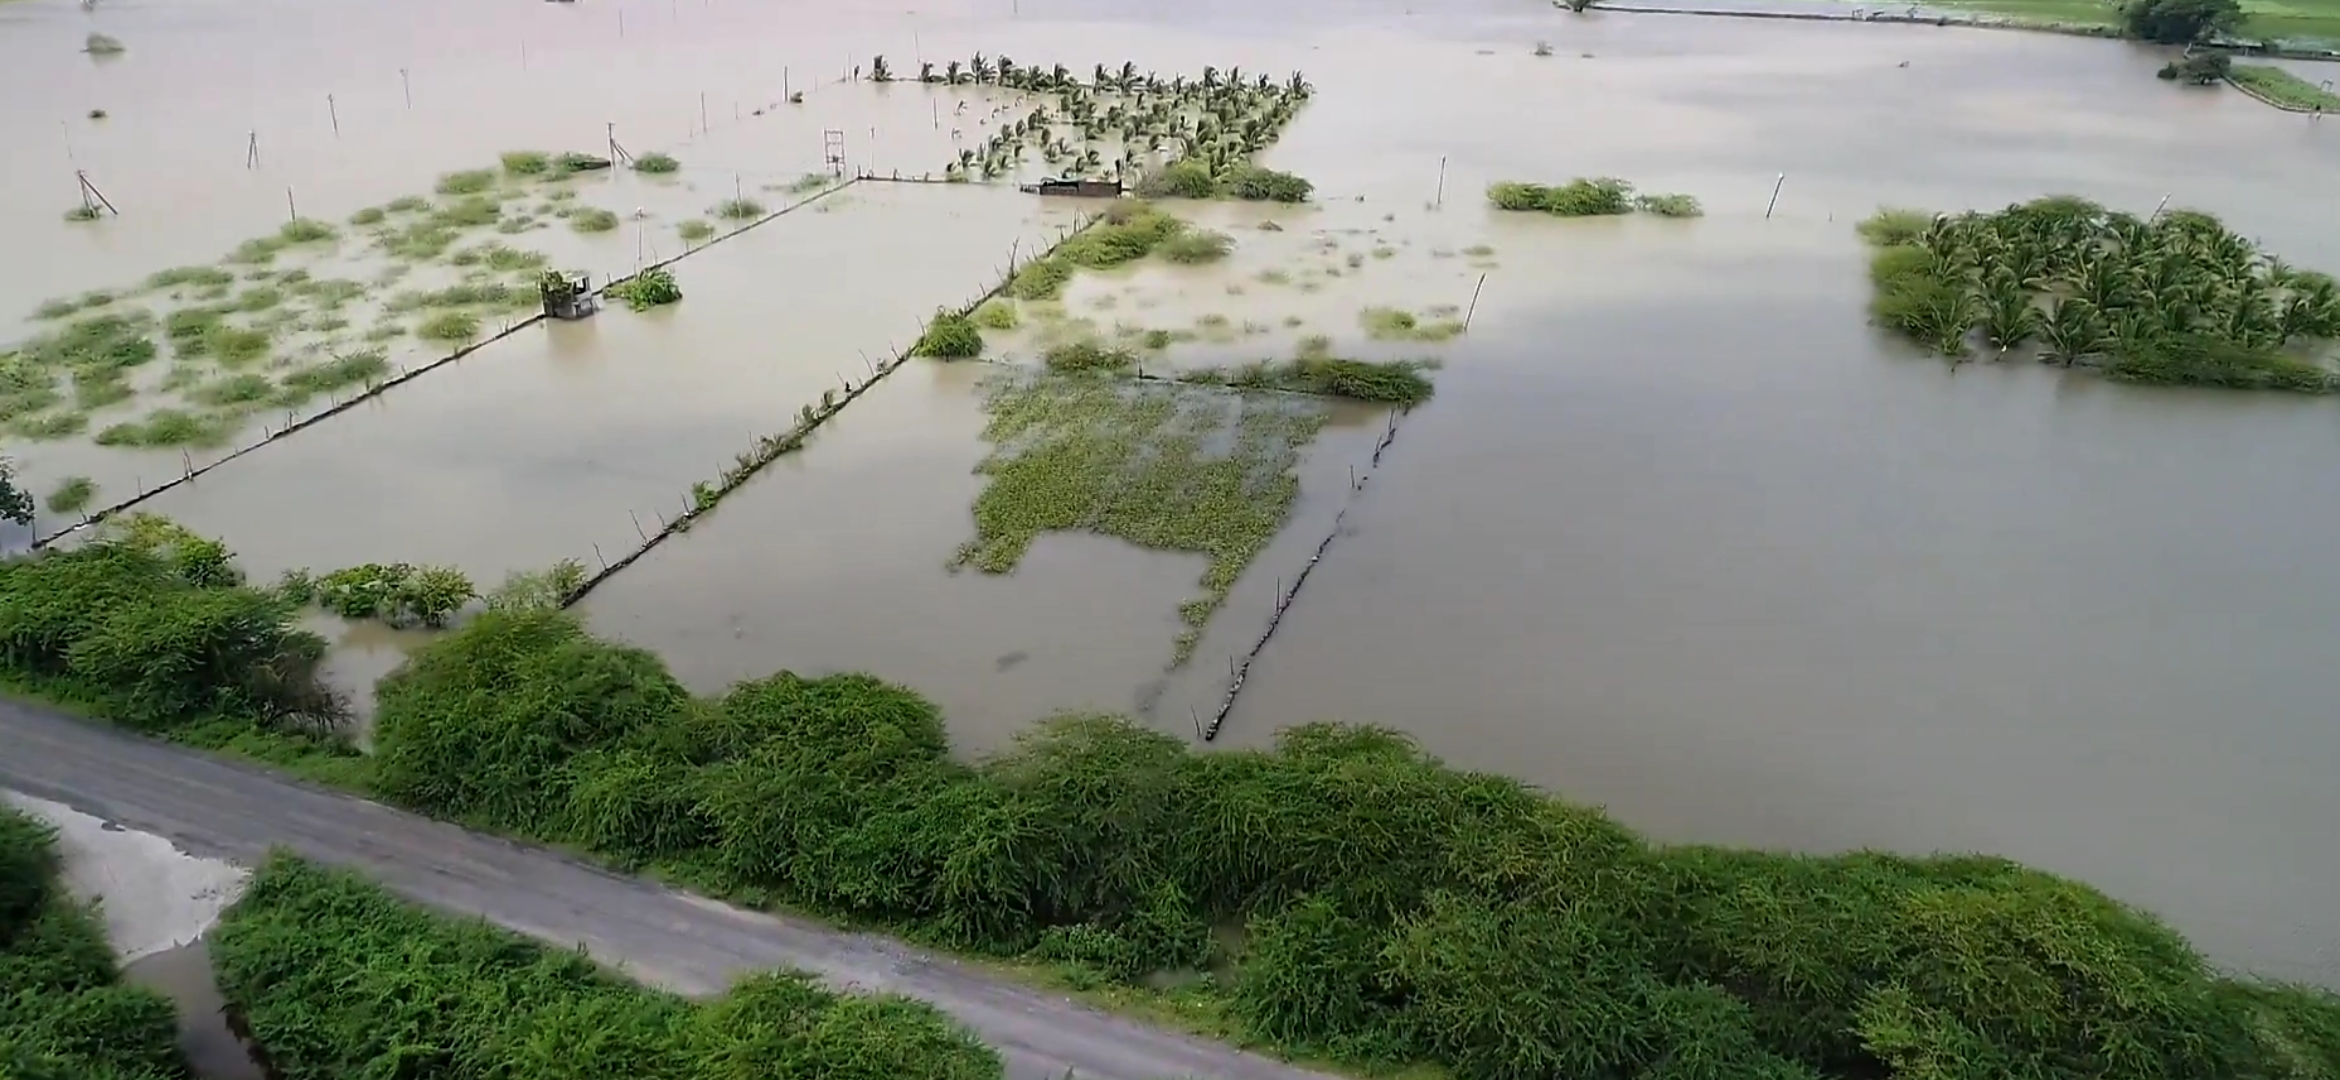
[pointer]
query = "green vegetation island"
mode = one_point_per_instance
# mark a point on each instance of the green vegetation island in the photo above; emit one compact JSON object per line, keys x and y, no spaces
{"x":1341,"y":896}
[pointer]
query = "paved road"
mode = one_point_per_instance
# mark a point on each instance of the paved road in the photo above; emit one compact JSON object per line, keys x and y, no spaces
{"x":670,"y":939}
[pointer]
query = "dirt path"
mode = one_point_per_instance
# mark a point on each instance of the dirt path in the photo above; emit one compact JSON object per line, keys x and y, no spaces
{"x":689,"y":944}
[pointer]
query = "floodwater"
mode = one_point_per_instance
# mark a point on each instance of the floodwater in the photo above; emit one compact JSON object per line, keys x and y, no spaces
{"x":184,"y":975}
{"x":552,"y":444}
{"x":837,"y":559}
{"x":1680,"y":534}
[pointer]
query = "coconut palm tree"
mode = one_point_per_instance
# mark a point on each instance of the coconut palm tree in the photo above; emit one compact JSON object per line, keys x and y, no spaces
{"x":980,"y":67}
{"x":951,"y":73}
{"x":878,"y":71}
{"x":926,"y":73}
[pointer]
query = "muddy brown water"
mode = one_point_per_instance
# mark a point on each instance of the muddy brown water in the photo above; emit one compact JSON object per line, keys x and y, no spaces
{"x":1680,"y":534}
{"x":184,"y":975}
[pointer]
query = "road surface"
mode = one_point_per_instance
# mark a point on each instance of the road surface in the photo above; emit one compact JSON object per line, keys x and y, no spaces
{"x":666,"y":938}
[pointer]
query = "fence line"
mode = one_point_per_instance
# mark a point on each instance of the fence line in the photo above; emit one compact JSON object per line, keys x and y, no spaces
{"x":1239,"y":672}
{"x":192,"y":473}
{"x":771,"y":448}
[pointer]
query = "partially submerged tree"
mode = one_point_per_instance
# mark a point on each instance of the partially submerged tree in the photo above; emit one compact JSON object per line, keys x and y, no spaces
{"x":15,"y":503}
{"x":2179,"y":22}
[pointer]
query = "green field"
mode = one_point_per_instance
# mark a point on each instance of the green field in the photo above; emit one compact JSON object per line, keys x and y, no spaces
{"x":2284,"y":88}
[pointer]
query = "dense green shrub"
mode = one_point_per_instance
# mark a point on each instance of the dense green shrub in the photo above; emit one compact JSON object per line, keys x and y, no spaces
{"x":949,"y":336}
{"x":650,"y":288}
{"x":1129,"y":232}
{"x":63,"y":1012}
{"x":163,"y":637}
{"x":2179,"y":22}
{"x":1182,"y":179}
{"x":1259,"y":183}
{"x":337,"y":980}
{"x":1397,"y":909}
{"x":1581,"y":197}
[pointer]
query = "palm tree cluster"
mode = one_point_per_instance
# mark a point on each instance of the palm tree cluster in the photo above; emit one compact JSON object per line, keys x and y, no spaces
{"x":1220,"y":119}
{"x":2174,"y":298}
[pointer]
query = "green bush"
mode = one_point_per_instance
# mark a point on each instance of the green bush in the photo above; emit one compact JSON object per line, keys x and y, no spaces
{"x":164,"y":638}
{"x":1183,"y":179}
{"x":336,"y":979}
{"x":1197,"y":246}
{"x":63,"y":1011}
{"x":656,"y":163}
{"x":1041,"y":279}
{"x":651,"y":288}
{"x":949,"y":336}
{"x":1259,"y":183}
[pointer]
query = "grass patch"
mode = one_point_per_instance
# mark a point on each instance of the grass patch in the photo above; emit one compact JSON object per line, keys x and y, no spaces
{"x":199,"y":276}
{"x":1195,"y":246}
{"x":101,"y":45}
{"x":1395,"y":382}
{"x":996,"y":314}
{"x":235,"y":346}
{"x":1398,"y":324}
{"x":1129,"y":232}
{"x":526,"y":162}
{"x":1582,"y":197}
{"x":467,"y":182}
{"x":306,"y":231}
{"x":234,"y":390}
{"x":84,"y":212}
{"x":171,"y":427}
{"x":949,"y":336}
{"x":694,"y":231}
{"x":407,"y":204}
{"x":1041,"y":279}
{"x":71,"y":495}
{"x":490,"y":295}
{"x":2284,"y":88}
{"x":49,"y":427}
{"x":259,"y":299}
{"x":97,"y":388}
{"x":372,"y":215}
{"x":738,"y":209}
{"x":656,"y":163}
{"x":593,"y":220}
{"x":1074,"y":357}
{"x":1673,"y":206}
{"x":450,"y":327}
{"x":343,"y":371}
{"x":467,"y":213}
{"x":258,"y":251}
{"x":1157,"y":464}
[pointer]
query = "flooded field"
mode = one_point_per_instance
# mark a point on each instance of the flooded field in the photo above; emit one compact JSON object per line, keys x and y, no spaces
{"x":1679,"y":533}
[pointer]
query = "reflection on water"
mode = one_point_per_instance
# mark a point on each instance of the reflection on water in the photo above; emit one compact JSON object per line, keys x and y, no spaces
{"x":184,"y":975}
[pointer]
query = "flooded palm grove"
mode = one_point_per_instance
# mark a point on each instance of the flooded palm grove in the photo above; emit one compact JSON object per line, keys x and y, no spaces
{"x":1681,"y":532}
